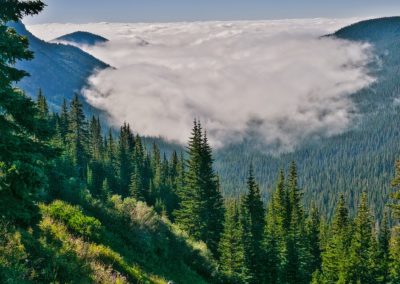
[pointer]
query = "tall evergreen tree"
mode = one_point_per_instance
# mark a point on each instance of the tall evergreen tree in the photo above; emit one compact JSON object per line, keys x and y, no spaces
{"x":335,"y":258}
{"x":23,"y":148}
{"x":125,"y":151}
{"x":63,"y":122}
{"x":293,"y":268}
{"x":253,"y":209}
{"x":383,"y":249}
{"x":174,"y":173}
{"x":95,"y":139}
{"x":276,"y":230}
{"x":213,"y":210}
{"x":42,"y":105}
{"x":395,"y":239}
{"x":201,"y":209}
{"x":231,"y":248}
{"x":361,"y":246}
{"x":313,"y":242}
{"x":110,"y":161}
{"x":139,"y":187}
{"x":77,"y":137}
{"x":189,"y":214}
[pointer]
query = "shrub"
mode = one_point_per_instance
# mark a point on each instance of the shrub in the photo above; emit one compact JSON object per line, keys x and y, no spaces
{"x":74,"y":218}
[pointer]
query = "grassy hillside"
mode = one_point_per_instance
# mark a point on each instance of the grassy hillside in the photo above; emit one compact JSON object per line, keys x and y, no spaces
{"x":124,"y":241}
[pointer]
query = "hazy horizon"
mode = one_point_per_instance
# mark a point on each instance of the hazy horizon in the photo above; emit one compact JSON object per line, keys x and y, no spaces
{"x":87,"y":11}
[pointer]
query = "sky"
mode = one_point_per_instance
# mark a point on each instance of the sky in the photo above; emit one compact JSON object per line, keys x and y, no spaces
{"x":85,"y":11}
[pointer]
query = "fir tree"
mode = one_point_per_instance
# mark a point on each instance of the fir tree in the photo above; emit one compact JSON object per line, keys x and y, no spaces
{"x":95,"y":139}
{"x":278,"y":224}
{"x":63,"y":122}
{"x":189,"y":214}
{"x":361,"y":246}
{"x":140,"y":176}
{"x":213,"y":210}
{"x":293,"y":268}
{"x":383,"y":250}
{"x":42,"y":105}
{"x":125,"y":151}
{"x":335,"y":262}
{"x":201,"y":207}
{"x":313,"y":242}
{"x":253,"y":207}
{"x":395,"y":239}
{"x":77,"y":137}
{"x":23,"y":145}
{"x":231,"y":248}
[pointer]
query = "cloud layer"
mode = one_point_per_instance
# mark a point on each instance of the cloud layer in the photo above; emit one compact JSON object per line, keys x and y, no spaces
{"x":278,"y":79}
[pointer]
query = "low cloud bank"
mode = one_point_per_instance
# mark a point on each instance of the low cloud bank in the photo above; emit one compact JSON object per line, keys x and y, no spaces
{"x":278,"y":79}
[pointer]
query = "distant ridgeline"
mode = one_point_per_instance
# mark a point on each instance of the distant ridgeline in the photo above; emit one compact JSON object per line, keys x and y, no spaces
{"x":81,"y":38}
{"x":59,"y":70}
{"x":359,"y":160}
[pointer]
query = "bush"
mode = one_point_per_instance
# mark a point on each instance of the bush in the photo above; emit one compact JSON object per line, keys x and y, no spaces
{"x":13,"y":256}
{"x":74,"y":218}
{"x":139,"y":213}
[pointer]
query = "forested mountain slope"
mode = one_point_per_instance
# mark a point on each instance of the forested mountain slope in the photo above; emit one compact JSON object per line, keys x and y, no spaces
{"x":359,"y":160}
{"x":58,"y":69}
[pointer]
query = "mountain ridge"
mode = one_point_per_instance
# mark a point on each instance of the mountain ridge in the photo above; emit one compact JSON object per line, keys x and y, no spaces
{"x":81,"y":38}
{"x":59,"y":70}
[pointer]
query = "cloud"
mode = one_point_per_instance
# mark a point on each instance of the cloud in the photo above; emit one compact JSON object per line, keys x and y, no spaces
{"x":277,"y":79}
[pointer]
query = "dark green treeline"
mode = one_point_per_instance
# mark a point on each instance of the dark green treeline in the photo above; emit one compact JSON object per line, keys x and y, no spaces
{"x":289,"y":244}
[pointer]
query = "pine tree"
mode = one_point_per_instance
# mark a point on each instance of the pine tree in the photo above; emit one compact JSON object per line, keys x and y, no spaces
{"x":253,"y":207}
{"x":313,"y":242}
{"x":139,"y":187}
{"x":105,"y":189}
{"x":42,"y":105}
{"x":201,"y":209}
{"x":189,"y":214}
{"x":96,"y":152}
{"x":23,"y":145}
{"x":272,"y":260}
{"x":174,"y":175}
{"x":156,"y":170}
{"x":383,"y":250}
{"x":77,"y":137}
{"x":110,"y":162}
{"x":361,"y":246}
{"x":95,"y":139}
{"x":231,"y":248}
{"x":395,"y":239}
{"x":335,"y":262}
{"x":213,"y":210}
{"x":45,"y":122}
{"x":125,"y":152}
{"x":295,"y":245}
{"x":276,"y":231}
{"x":64,"y":120}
